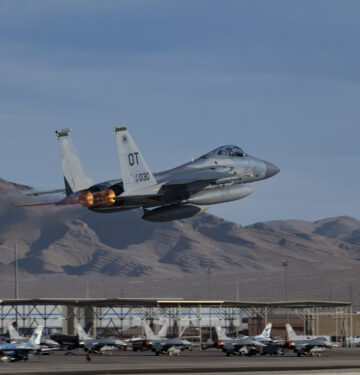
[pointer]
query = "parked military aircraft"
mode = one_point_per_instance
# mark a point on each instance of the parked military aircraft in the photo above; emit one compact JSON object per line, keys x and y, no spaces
{"x":139,"y":342}
{"x":163,"y":345}
{"x":240,"y":346}
{"x":264,"y":335}
{"x":66,"y":342}
{"x":93,"y":345}
{"x":45,"y":345}
{"x":222,"y":175}
{"x":10,"y":352}
{"x":22,"y":349}
{"x":310,"y":347}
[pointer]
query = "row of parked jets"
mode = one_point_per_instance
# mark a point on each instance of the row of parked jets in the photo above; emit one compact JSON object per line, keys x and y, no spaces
{"x":16,"y":347}
{"x":264,"y":344}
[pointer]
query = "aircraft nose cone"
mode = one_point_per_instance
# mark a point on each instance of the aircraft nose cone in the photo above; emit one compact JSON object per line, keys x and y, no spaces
{"x":271,"y":169}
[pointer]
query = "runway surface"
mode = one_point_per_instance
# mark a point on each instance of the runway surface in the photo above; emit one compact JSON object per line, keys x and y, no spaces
{"x":336,"y":361}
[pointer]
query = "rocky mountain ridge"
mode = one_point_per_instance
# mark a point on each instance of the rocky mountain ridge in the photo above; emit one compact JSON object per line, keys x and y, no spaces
{"x":64,"y":246}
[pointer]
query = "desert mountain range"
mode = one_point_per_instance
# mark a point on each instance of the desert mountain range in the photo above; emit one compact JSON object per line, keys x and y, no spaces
{"x":72,"y":252}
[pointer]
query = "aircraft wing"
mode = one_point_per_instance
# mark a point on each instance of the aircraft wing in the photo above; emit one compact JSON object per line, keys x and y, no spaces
{"x":57,"y":203}
{"x":248,"y":341}
{"x":187,"y":182}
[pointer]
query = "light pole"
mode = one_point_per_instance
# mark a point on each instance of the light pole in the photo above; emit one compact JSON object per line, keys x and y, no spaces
{"x":209,"y":271}
{"x":16,"y":282}
{"x":285,"y":264}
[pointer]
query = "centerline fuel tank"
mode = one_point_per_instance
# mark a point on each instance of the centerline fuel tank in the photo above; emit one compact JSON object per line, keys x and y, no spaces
{"x":172,"y":212}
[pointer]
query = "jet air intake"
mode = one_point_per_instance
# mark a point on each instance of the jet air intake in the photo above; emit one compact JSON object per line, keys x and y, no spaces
{"x":221,"y":194}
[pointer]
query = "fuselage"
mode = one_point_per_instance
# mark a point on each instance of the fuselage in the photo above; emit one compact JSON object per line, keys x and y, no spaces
{"x":239,"y":172}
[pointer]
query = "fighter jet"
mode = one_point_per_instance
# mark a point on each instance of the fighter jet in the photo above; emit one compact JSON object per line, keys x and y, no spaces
{"x":239,"y":346}
{"x":264,"y":335}
{"x":45,"y":345}
{"x":139,"y":342}
{"x":93,"y":345}
{"x":171,"y":346}
{"x":309,"y":347}
{"x":222,"y":175}
{"x":11,"y":352}
{"x":22,"y":348}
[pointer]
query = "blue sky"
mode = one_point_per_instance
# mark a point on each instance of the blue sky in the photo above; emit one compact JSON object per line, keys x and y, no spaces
{"x":279,"y":78}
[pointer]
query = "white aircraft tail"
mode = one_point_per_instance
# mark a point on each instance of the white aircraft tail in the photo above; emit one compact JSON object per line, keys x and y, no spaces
{"x":74,"y":175}
{"x":266,"y":332}
{"x":136,"y":174}
{"x":221,"y":333}
{"x":163,"y":330}
{"x":290,"y":332}
{"x":36,"y":336}
{"x":149,"y":333}
{"x":13,"y":333}
{"x":81,"y":333}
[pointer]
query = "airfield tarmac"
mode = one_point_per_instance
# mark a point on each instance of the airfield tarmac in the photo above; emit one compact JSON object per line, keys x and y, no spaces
{"x":336,"y":361}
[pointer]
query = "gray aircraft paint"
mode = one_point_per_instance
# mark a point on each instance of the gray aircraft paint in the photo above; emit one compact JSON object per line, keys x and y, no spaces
{"x":136,"y":175}
{"x":24,"y":343}
{"x":306,"y":347}
{"x":93,"y":344}
{"x":222,"y":175}
{"x":74,"y":175}
{"x":163,"y":345}
{"x":233,"y":345}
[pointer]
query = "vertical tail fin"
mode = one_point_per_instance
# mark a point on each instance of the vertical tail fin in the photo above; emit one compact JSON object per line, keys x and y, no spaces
{"x":266,"y":332}
{"x":36,"y":336}
{"x":220,"y":333}
{"x":13,"y":333}
{"x":149,"y":333}
{"x":291,"y":333}
{"x":74,"y":174}
{"x":163,"y":330}
{"x":136,"y":174}
{"x":81,"y":333}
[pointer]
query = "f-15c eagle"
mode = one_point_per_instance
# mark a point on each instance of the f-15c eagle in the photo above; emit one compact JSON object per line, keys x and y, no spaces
{"x":222,"y":175}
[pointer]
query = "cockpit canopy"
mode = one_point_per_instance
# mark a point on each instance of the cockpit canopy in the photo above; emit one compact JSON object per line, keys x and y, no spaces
{"x":229,"y":150}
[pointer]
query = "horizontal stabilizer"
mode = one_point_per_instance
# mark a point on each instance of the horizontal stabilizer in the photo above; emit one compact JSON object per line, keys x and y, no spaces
{"x":36,"y":193}
{"x":39,"y":204}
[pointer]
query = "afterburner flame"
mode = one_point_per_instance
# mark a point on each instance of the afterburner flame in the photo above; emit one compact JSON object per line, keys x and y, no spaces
{"x":104,"y":198}
{"x":101,"y":198}
{"x":86,"y":199}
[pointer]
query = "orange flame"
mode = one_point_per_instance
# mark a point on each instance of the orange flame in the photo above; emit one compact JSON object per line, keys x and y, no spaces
{"x":101,"y":198}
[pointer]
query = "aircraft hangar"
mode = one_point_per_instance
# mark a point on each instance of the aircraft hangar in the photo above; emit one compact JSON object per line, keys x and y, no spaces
{"x":328,"y":318}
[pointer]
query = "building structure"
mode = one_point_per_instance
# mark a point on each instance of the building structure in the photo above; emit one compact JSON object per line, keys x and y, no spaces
{"x":121,"y":313}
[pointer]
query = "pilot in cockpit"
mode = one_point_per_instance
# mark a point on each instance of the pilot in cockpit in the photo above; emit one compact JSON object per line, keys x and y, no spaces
{"x":233,"y":151}
{"x":230,"y":151}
